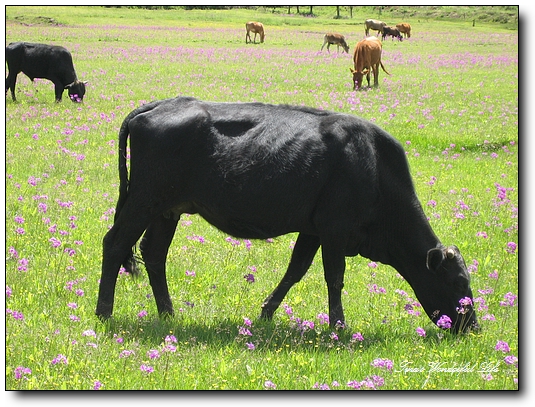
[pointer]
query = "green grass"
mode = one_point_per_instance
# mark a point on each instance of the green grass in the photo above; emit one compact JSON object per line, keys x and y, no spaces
{"x":452,"y":102}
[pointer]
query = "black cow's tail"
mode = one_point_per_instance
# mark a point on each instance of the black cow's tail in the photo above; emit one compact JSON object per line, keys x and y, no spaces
{"x":130,"y":262}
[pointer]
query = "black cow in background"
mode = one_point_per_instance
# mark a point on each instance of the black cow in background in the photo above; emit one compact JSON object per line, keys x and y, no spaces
{"x":50,"y":62}
{"x":393,"y":32}
{"x":257,"y":171}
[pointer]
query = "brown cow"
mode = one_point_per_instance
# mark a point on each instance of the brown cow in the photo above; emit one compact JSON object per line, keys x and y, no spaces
{"x":338,"y":39}
{"x":370,"y":24}
{"x":367,"y":56}
{"x":404,"y":28}
{"x":257,"y":28}
{"x":393,"y":32}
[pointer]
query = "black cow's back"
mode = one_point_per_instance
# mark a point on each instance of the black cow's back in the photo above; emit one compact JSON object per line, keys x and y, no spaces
{"x":271,"y":166}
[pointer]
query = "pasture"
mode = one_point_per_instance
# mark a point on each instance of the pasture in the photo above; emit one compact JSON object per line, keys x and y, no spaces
{"x":451,"y":99}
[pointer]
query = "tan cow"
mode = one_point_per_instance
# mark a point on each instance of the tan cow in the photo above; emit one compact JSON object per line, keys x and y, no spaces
{"x":338,"y":39}
{"x":371,"y":24}
{"x":404,"y":28}
{"x":366,"y":57}
{"x":257,"y":28}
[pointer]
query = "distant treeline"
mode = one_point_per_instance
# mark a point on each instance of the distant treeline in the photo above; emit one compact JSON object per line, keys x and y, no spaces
{"x":499,"y":14}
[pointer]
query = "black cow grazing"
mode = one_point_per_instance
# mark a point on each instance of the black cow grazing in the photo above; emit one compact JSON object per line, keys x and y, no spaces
{"x":257,"y":171}
{"x":393,"y":32}
{"x":50,"y":62}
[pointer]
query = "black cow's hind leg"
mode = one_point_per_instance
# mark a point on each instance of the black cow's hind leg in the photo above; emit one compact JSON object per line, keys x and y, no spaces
{"x":303,"y":253}
{"x":117,"y":250}
{"x":11,"y":80}
{"x":154,"y":247}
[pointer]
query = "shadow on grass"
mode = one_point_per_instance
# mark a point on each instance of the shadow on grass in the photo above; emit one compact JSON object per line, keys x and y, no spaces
{"x":264,"y":335}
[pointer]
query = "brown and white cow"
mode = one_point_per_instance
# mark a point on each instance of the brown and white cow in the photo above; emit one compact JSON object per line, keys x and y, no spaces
{"x":404,"y":28}
{"x":371,"y":24}
{"x":338,"y":39}
{"x":256,"y":28}
{"x":366,"y":57}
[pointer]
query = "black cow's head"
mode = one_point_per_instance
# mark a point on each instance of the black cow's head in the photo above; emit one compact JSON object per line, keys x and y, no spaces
{"x":76,"y":90}
{"x":445,"y":292}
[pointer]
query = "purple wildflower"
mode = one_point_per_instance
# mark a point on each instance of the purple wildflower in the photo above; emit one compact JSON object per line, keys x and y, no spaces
{"x":23,"y":265}
{"x":20,"y":371}
{"x":146,"y":369}
{"x":153,"y":354}
{"x":354,"y":384}
{"x":13,"y":252}
{"x":170,"y":339}
{"x":357,"y":337}
{"x":268,"y":384}
{"x":465,"y":303}
{"x":250,"y":346}
{"x":244,"y":331}
{"x":444,"y":322}
{"x":126,"y":353}
{"x":494,"y":275}
{"x":249,"y":278}
{"x":142,"y":314}
{"x":503,"y":346}
{"x":383,"y":363}
{"x":421,"y":332}
{"x":89,"y":332}
{"x":509,"y":300}
{"x":510,"y":360}
{"x":323,"y":318}
{"x":288,"y":309}
{"x":60,"y":359}
{"x":511,"y":247}
{"x":54,"y":242}
{"x":97,"y":385}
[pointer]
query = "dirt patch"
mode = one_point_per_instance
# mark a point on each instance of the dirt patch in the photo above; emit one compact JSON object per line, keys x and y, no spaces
{"x":29,"y":21}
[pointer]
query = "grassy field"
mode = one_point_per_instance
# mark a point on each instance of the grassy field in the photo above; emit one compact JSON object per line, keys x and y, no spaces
{"x":451,"y":99}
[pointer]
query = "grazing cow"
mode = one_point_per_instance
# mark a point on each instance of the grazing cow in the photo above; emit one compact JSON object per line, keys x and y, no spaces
{"x":338,"y":39}
{"x":50,"y":62}
{"x":366,"y":57}
{"x":257,"y":171}
{"x":257,"y":28}
{"x":393,"y":32}
{"x":373,"y":25}
{"x":405,"y":29}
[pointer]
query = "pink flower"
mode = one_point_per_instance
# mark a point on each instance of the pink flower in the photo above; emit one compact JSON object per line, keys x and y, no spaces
{"x":503,"y":346}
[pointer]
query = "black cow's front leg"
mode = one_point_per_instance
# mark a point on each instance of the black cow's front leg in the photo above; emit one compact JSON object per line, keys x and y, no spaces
{"x":58,"y":90}
{"x":154,"y":247}
{"x":303,"y":253}
{"x":334,"y":264}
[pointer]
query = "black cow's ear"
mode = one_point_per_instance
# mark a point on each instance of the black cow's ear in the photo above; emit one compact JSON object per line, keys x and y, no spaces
{"x":434,"y":259}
